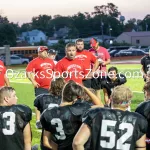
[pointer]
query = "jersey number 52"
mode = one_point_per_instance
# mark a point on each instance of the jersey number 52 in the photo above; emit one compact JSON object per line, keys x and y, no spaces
{"x":113,"y":141}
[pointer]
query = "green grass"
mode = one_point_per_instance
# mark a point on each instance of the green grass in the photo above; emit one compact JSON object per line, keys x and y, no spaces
{"x":25,"y":92}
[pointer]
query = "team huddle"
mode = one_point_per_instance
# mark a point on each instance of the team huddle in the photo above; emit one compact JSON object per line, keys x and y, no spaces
{"x":69,"y":109}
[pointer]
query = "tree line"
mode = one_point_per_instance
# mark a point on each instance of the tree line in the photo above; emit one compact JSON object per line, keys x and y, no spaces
{"x":103,"y":20}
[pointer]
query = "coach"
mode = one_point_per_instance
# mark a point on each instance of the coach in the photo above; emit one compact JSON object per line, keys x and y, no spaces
{"x":70,"y":67}
{"x":39,"y":71}
{"x":104,"y":59}
{"x":3,"y":77}
{"x":87,"y":58}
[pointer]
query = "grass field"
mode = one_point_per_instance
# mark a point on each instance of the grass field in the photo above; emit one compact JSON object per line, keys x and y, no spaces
{"x":25,"y":91}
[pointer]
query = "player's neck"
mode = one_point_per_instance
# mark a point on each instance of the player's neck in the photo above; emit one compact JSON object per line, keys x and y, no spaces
{"x":147,"y":99}
{"x":65,"y":103}
{"x":97,"y":48}
{"x":3,"y":105}
{"x":119,"y":108}
{"x":68,"y":103}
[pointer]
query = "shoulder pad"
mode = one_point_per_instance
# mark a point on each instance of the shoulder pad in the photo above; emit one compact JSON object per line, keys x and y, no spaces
{"x":79,"y":108}
{"x":25,"y":112}
{"x":144,"y":109}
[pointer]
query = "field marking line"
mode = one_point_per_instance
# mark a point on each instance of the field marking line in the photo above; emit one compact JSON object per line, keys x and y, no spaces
{"x":21,"y":82}
{"x":138,"y":92}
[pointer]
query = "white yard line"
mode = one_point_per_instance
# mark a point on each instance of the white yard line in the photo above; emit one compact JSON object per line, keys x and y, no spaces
{"x":20,"y":82}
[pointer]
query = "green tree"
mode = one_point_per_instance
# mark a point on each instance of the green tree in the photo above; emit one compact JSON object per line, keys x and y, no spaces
{"x":7,"y":35}
{"x":26,"y":27}
{"x":42,"y":22}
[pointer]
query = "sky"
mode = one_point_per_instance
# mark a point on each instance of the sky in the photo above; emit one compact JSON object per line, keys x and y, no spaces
{"x":23,"y":11}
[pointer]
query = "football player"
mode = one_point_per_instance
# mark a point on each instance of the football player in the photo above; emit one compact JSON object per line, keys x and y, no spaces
{"x":115,"y":129}
{"x":50,"y":100}
{"x":144,"y":109}
{"x":113,"y":79}
{"x":62,"y":123}
{"x":15,"y":131}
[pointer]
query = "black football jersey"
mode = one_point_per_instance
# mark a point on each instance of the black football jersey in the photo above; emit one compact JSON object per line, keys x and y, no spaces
{"x":63,"y":122}
{"x":144,"y":110}
{"x":44,"y":101}
{"x":115,"y":129}
{"x":13,"y":119}
{"x":109,"y":85}
{"x":145,"y":62}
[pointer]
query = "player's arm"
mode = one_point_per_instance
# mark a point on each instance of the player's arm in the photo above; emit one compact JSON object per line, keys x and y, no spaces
{"x":106,"y":62}
{"x":96,"y":65}
{"x":6,"y":80}
{"x":107,"y":58}
{"x":81,"y":137}
{"x":30,"y":72}
{"x":106,"y":99}
{"x":31,"y":77}
{"x":141,"y":144}
{"x":93,"y":97}
{"x":48,"y":142}
{"x":27,"y":137}
{"x":142,"y":72}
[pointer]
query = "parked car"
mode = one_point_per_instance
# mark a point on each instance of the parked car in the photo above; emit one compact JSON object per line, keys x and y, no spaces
{"x":113,"y":52}
{"x":123,"y":53}
{"x":131,"y":53}
{"x":16,"y":60}
{"x":22,"y":56}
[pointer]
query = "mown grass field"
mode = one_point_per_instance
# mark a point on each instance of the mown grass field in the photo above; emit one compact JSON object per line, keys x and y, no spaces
{"x":25,"y":91}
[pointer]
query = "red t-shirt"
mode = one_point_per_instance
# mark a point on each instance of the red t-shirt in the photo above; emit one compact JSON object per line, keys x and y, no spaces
{"x":103,"y":54}
{"x":86,"y":57}
{"x":2,"y":73}
{"x":75,"y":68}
{"x":43,"y":70}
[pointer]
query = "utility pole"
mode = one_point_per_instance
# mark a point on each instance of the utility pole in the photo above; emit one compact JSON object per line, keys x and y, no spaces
{"x":102,"y":24}
{"x":146,"y":26}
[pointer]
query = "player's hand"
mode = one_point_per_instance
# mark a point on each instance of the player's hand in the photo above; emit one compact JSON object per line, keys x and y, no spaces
{"x":35,"y":84}
{"x":100,"y":60}
{"x":104,"y":63}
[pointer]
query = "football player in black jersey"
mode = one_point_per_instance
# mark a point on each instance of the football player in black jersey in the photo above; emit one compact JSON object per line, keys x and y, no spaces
{"x":50,"y":100}
{"x":144,"y":109}
{"x":113,"y":79}
{"x":115,"y":129}
{"x":145,"y":62}
{"x":15,"y":131}
{"x":61,"y":123}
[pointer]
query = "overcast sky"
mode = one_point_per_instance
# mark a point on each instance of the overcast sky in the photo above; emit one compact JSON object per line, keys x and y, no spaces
{"x":23,"y":11}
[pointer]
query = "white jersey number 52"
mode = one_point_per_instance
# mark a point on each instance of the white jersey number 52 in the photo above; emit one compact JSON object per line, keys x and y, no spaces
{"x":121,"y":142}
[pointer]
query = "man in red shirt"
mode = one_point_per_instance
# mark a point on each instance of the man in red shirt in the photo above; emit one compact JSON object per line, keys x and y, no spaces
{"x":3,"y":77}
{"x":87,"y":58}
{"x":40,"y":73}
{"x":104,"y":59}
{"x":70,"y":67}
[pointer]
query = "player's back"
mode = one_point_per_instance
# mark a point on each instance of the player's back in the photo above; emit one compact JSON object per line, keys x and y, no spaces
{"x":115,"y":129}
{"x":44,"y":101}
{"x":144,"y":110}
{"x":63,"y":122}
{"x":13,"y":120}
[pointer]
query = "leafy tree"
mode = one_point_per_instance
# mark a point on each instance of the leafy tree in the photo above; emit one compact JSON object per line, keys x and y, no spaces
{"x":107,"y":10}
{"x":145,"y":23}
{"x":42,"y":22}
{"x":26,"y":27}
{"x":3,"y":19}
{"x":7,"y":35}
